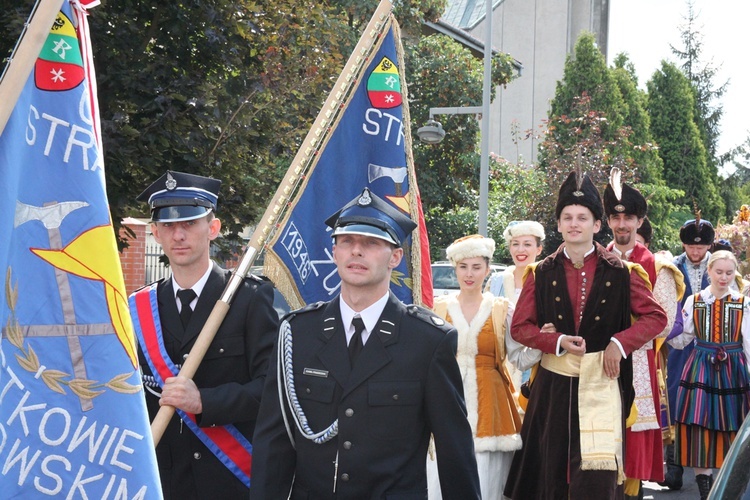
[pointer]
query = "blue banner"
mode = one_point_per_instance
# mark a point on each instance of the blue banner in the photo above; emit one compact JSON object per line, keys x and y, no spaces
{"x":73,"y":420}
{"x":366,"y":148}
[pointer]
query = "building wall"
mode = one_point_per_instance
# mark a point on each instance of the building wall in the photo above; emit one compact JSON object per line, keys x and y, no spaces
{"x":540,"y":34}
{"x":142,"y":261}
{"x":132,"y":258}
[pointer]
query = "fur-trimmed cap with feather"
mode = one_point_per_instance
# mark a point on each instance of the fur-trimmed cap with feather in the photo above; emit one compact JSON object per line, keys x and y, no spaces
{"x":620,"y":198}
{"x":474,"y":245}
{"x":579,"y":190}
{"x":697,"y":231}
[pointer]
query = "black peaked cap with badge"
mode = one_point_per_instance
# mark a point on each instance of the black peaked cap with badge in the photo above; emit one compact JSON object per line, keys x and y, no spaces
{"x":578,"y":189}
{"x":370,"y":215}
{"x":620,"y":198}
{"x":697,"y":232}
{"x":177,"y":196}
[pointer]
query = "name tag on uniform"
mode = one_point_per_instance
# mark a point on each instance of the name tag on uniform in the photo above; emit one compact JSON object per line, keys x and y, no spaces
{"x":315,"y":372}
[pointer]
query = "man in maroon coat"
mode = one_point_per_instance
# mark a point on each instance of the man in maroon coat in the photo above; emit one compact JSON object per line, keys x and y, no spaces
{"x":625,"y":209}
{"x":576,"y":307}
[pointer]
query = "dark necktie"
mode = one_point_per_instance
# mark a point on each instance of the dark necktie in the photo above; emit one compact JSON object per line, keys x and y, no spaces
{"x":355,"y":344}
{"x":186,"y":297}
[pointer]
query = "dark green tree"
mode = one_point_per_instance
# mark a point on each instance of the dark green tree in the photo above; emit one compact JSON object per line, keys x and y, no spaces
{"x":597,"y":121}
{"x":226,"y":88}
{"x":672,"y":110}
{"x":590,"y":150}
{"x":586,"y":72}
{"x":410,"y":13}
{"x":647,"y":164}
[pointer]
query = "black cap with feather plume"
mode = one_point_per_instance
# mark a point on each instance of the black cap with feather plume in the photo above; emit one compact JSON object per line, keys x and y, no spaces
{"x":579,"y":190}
{"x":697,"y":231}
{"x":620,"y":198}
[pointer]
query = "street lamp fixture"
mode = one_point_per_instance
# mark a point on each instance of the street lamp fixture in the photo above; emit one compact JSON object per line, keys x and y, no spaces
{"x":432,"y":132}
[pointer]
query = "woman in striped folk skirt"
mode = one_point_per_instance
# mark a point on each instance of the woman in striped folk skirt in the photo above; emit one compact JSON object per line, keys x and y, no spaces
{"x":714,"y":393}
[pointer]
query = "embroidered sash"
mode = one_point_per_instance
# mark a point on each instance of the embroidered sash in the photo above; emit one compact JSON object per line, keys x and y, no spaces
{"x":226,"y":442}
{"x":599,"y":410}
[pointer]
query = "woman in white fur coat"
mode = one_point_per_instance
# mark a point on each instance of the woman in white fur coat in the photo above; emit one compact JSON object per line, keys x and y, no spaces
{"x":482,"y":321}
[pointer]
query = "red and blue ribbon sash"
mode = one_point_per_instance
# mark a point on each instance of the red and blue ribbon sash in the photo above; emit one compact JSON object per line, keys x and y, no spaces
{"x":226,"y":442}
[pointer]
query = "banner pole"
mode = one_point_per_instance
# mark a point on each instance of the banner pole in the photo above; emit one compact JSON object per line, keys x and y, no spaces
{"x":25,"y":55}
{"x":277,"y":206}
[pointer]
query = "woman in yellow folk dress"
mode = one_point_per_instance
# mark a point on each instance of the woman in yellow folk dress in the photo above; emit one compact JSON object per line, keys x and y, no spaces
{"x":482,"y":321}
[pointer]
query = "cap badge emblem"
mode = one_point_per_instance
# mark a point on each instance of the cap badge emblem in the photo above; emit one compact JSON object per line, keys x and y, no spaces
{"x":577,"y":194}
{"x":171,"y":182}
{"x":620,"y":208}
{"x":697,"y":239}
{"x":365,"y":199}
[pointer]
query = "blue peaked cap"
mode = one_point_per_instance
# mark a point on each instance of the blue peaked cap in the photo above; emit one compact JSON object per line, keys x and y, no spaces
{"x":177,"y":196}
{"x":370,"y":215}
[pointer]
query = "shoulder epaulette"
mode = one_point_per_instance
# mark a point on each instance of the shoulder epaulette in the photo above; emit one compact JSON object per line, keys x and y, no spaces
{"x":428,"y":317}
{"x":530,"y":269}
{"x":314,"y":306}
{"x":257,"y":278}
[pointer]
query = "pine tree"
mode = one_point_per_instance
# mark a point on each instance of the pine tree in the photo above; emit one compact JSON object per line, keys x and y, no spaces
{"x":648,"y":164}
{"x":708,"y":108}
{"x":586,"y":72}
{"x":701,"y":75}
{"x":671,"y":107}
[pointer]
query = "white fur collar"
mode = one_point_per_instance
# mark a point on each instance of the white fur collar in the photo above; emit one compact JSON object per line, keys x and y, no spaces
{"x":467,"y":350}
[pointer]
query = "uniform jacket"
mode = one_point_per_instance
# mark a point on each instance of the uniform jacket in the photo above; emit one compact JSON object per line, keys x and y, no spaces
{"x":230,"y":380}
{"x":405,"y":385}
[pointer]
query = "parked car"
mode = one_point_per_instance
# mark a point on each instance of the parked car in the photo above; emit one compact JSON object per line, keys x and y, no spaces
{"x":733,"y":480}
{"x":444,"y":281}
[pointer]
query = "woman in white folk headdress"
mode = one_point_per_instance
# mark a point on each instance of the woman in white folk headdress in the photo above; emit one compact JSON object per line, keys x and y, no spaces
{"x":524,"y":239}
{"x":482,"y":321}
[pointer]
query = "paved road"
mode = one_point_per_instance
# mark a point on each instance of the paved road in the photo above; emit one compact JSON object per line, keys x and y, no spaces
{"x":689,"y":489}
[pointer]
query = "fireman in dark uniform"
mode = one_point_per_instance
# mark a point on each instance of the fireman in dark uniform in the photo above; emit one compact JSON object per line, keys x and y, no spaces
{"x":362,"y":383}
{"x":205,"y":451}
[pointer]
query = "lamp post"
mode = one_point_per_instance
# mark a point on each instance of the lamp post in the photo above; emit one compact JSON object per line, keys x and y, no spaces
{"x":484,"y":165}
{"x":433,"y":133}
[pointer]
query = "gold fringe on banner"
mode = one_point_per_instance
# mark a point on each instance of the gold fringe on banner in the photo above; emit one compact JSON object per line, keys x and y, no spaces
{"x":416,"y":236}
{"x":341,"y":96}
